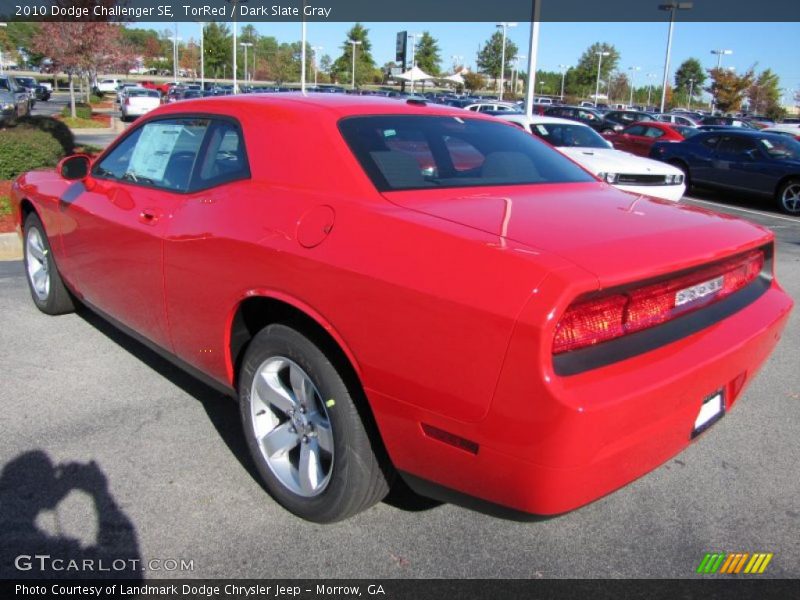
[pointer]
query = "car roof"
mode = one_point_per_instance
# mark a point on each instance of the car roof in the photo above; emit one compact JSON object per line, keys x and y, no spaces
{"x":338,"y":105}
{"x":537,"y":120}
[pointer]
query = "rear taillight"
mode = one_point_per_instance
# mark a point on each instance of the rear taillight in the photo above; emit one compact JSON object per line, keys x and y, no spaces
{"x":602,"y":318}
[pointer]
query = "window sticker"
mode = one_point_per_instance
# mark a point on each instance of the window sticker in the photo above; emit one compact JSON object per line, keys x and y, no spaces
{"x":152,"y":152}
{"x":542,"y":130}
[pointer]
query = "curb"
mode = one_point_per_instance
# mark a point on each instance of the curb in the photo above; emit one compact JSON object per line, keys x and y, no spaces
{"x":10,"y":247}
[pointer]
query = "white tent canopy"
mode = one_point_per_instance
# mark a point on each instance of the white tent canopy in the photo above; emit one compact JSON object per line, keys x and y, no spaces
{"x":415,"y":74}
{"x":454,"y":78}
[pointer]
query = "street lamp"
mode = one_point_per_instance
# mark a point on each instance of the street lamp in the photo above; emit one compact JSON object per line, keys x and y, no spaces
{"x":515,"y":73}
{"x":316,"y":49}
{"x":720,"y":53}
{"x":355,"y":43}
{"x":672,"y":7}
{"x":1,"y":51}
{"x":245,"y":45}
{"x":633,"y":75}
{"x":202,"y":57}
{"x":600,"y":56}
{"x":564,"y":69}
{"x":413,"y":37}
{"x":175,"y":40}
{"x":691,"y":92}
{"x":456,"y":58}
{"x":504,"y":27}
{"x":650,"y":76}
{"x":235,"y":43}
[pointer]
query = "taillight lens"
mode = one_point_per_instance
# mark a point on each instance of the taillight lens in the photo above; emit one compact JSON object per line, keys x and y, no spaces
{"x":599,"y":319}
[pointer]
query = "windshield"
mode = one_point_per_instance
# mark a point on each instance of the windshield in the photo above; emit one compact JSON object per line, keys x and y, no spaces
{"x":27,"y":81}
{"x":567,"y":134}
{"x":784,"y":148}
{"x":408,"y":152}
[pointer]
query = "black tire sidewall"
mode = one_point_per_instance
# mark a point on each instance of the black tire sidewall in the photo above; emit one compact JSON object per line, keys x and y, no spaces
{"x":33,"y":221}
{"x":279,"y":340}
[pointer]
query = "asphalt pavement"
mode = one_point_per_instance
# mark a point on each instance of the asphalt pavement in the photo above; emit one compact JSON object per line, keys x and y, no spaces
{"x":104,"y":440}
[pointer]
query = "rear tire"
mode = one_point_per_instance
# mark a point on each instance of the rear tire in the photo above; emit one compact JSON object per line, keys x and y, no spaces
{"x":309,"y":443}
{"x":788,"y":197}
{"x":44,"y":281}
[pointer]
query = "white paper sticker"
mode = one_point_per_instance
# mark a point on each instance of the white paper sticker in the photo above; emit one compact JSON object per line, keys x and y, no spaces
{"x":152,"y":152}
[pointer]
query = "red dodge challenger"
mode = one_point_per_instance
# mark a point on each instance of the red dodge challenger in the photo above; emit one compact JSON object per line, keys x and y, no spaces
{"x":394,"y":289}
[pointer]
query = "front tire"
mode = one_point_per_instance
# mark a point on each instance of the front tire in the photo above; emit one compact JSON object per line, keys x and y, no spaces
{"x":788,"y":197}
{"x":687,"y":180}
{"x":44,"y":281}
{"x":309,"y":443}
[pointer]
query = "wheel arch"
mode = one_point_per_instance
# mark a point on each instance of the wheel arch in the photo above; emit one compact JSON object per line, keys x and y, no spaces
{"x":26,"y":207}
{"x":784,"y":180}
{"x":255,"y":312}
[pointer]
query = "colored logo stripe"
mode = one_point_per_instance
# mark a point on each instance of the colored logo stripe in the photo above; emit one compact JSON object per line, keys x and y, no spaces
{"x":734,"y":562}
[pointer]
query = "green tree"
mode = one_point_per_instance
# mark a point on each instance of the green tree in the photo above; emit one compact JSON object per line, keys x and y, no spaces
{"x":584,"y":75}
{"x":473,"y":81}
{"x":765,"y":93}
{"x":427,"y":55}
{"x":728,"y":88}
{"x":490,"y":56}
{"x":690,"y":75}
{"x":19,"y":35}
{"x":341,"y":69}
{"x":218,"y":49}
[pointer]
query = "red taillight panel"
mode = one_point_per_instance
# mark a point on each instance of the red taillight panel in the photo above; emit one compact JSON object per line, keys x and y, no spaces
{"x":599,"y":319}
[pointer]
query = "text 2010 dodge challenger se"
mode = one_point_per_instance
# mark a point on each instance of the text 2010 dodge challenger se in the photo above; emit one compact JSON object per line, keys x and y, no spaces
{"x":394,"y":288}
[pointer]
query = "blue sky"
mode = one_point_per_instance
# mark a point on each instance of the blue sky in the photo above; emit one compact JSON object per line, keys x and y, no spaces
{"x":770,"y":45}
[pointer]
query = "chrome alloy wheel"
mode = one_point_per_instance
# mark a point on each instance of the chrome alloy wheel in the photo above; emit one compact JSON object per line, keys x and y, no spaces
{"x":291,"y":426}
{"x":790,"y":198}
{"x":38,"y":264}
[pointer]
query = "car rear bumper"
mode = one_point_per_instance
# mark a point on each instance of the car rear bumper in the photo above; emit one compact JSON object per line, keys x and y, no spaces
{"x":553,"y":446}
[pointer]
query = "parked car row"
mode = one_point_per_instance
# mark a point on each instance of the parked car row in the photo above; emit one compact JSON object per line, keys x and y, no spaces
{"x":18,"y":95}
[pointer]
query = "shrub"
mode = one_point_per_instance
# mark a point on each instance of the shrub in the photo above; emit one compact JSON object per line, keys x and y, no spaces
{"x":23,"y":148}
{"x":58,"y":129}
{"x":83,"y":110}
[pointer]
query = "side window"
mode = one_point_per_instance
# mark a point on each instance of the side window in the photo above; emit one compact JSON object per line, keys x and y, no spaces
{"x":653,"y":132}
{"x":711,"y":142}
{"x":162,"y":155}
{"x":225,"y":158}
{"x":635,"y":130}
{"x":409,"y":145}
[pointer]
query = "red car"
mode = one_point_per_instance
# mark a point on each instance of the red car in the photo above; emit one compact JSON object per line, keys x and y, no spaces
{"x":637,"y":138}
{"x":509,"y":329}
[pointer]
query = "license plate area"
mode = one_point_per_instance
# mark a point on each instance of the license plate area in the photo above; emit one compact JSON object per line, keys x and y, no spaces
{"x":711,"y":411}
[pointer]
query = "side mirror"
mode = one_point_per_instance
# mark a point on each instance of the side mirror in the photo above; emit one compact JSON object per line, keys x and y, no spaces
{"x":74,"y":168}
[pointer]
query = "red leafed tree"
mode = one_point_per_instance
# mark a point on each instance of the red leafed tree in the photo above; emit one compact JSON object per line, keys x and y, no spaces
{"x":82,"y":49}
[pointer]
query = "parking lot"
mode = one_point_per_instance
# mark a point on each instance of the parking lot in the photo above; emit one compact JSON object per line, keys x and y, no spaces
{"x":98,"y":426}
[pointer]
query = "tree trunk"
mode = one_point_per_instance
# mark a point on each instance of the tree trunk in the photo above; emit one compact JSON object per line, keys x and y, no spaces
{"x":72,"y":97}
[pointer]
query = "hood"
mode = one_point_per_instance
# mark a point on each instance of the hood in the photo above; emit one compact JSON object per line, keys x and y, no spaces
{"x":618,"y":237}
{"x":607,"y":160}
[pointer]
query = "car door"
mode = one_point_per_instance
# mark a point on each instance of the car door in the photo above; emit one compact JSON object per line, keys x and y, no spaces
{"x":630,"y":139}
{"x":114,"y":224}
{"x":741,"y":163}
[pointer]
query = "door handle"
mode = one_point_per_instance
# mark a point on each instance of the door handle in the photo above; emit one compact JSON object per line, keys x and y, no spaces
{"x":149,"y":216}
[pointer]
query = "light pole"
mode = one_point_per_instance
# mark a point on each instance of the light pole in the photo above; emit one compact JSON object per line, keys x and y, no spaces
{"x":515,"y":73}
{"x":600,"y":56}
{"x":202,"y":57}
{"x":564,"y":69}
{"x":672,"y":7}
{"x":504,"y":27}
{"x":691,"y":92}
{"x":650,"y":76}
{"x":245,"y":45}
{"x":456,"y":58}
{"x":413,"y":37}
{"x":1,"y":51}
{"x":235,"y":42}
{"x":720,"y":53}
{"x":633,"y":75}
{"x":316,"y":49}
{"x":353,"y":44}
{"x":175,"y":40}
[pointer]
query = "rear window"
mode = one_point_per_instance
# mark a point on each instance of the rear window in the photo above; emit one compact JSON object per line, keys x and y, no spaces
{"x":409,"y":152}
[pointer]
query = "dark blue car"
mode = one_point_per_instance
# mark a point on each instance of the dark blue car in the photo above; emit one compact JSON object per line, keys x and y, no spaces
{"x":745,"y":160}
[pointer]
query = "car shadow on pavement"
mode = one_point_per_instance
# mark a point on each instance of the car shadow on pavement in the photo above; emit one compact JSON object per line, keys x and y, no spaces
{"x":61,"y":521}
{"x":223,"y":412}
